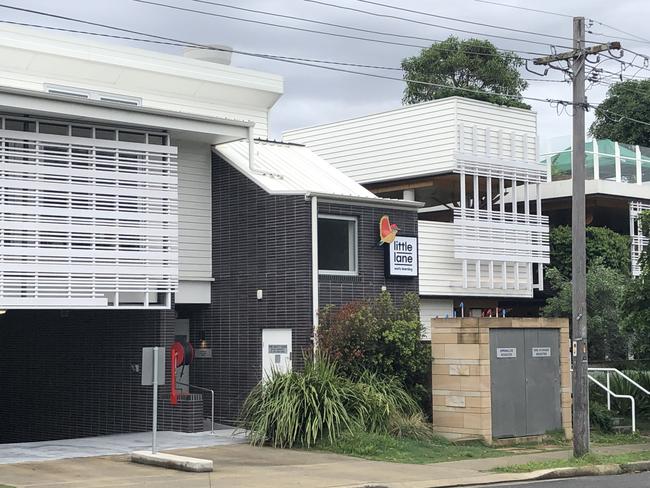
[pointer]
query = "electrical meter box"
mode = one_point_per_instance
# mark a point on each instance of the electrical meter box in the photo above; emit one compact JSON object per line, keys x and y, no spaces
{"x":500,"y":378}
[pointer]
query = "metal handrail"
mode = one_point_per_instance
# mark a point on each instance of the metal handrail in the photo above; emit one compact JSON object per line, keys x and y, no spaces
{"x":626,"y":377}
{"x":203,"y":389}
{"x":616,"y":395}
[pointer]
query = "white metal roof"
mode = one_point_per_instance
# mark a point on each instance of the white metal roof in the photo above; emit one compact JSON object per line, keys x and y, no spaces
{"x":291,"y":169}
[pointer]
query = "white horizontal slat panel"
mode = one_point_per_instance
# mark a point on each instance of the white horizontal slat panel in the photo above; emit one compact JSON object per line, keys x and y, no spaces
{"x":83,"y":220}
{"x":410,"y":141}
{"x":441,"y":274}
{"x":195,"y":210}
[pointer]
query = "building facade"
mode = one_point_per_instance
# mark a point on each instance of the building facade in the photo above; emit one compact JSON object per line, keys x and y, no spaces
{"x":140,"y":204}
{"x":475,"y":165}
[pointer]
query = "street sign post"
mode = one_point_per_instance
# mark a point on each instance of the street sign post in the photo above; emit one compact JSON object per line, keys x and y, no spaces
{"x":153,"y":373}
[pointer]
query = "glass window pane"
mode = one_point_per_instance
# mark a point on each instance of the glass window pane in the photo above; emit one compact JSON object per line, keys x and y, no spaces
{"x":80,"y":131}
{"x":107,"y":134}
{"x":336,"y":244}
{"x":21,"y":125}
{"x":56,"y":129}
{"x":132,"y":137}
{"x":628,"y":170}
{"x":607,"y":167}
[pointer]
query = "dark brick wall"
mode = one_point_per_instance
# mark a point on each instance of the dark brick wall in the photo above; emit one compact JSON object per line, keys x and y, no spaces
{"x":69,"y":373}
{"x":337,"y":290}
{"x":260,"y":241}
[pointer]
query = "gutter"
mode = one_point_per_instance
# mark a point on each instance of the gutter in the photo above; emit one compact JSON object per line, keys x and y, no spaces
{"x":366,"y":201}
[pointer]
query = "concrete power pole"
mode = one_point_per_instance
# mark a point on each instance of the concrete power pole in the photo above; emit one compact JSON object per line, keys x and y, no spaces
{"x":580,"y":385}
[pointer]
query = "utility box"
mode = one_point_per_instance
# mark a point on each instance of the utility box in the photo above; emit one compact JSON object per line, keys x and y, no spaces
{"x":500,"y":378}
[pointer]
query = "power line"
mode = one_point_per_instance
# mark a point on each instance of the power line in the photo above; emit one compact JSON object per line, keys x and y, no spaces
{"x":295,"y":61}
{"x":333,"y":34}
{"x":304,"y":19}
{"x":291,"y":61}
{"x":185,"y":44}
{"x":481,"y":24}
{"x":281,"y":26}
{"x":621,"y":31}
{"x":376,"y":14}
{"x":525,"y":8}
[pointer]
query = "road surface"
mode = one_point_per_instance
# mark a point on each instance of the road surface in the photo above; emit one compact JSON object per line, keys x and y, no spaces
{"x":639,"y":480}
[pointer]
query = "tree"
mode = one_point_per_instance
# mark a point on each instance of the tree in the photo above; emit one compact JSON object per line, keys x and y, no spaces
{"x":604,"y":247}
{"x":605,"y":288}
{"x":471,"y":64}
{"x":635,"y":305}
{"x":630,"y":99}
{"x":608,"y":270}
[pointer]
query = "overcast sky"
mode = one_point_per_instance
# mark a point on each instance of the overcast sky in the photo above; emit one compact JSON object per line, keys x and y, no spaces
{"x":314,"y":96}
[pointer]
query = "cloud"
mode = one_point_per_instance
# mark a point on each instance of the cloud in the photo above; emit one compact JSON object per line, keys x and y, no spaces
{"x":314,"y":96}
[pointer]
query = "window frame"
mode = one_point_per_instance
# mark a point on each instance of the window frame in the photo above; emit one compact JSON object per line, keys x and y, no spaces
{"x":353,"y":246}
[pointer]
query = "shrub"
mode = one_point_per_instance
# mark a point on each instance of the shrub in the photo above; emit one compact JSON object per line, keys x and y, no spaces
{"x":378,"y":336}
{"x":600,"y":417}
{"x":319,"y":404}
{"x":623,"y":387}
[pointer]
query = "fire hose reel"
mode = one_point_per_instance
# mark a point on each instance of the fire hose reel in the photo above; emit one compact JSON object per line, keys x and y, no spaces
{"x":182,"y":354}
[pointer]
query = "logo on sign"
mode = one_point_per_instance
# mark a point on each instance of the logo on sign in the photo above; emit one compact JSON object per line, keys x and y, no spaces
{"x":402,"y":256}
{"x":387,"y":231}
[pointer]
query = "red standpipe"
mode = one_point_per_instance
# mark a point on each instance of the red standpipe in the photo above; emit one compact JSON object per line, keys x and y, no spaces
{"x":177,"y":359}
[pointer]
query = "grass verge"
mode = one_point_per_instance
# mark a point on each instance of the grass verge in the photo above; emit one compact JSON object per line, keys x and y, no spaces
{"x":588,"y":460}
{"x":383,"y":447}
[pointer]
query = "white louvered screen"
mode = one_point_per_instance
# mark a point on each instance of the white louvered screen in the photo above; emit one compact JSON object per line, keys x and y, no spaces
{"x":501,"y":237}
{"x":638,"y":241}
{"x":489,"y":238}
{"x":87,"y":218}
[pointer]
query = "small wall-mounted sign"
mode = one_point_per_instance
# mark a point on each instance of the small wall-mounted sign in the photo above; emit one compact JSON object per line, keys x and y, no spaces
{"x":541,"y":352}
{"x":506,"y":352}
{"x":203,"y":353}
{"x":402,"y":257}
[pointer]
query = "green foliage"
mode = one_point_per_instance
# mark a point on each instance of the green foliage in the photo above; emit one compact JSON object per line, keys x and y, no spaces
{"x":635,"y":303}
{"x":383,"y":447}
{"x":588,"y":460}
{"x":604,"y":247}
{"x":600,"y":417}
{"x":628,"y":98}
{"x":299,"y":407}
{"x":605,"y":288}
{"x":380,"y":337}
{"x":319,"y":404}
{"x":619,"y":385}
{"x":471,"y":64}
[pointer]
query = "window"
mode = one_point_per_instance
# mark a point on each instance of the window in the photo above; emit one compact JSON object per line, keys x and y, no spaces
{"x":337,"y":245}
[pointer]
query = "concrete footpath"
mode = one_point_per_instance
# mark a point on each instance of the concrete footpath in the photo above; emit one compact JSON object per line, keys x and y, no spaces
{"x":251,"y":467}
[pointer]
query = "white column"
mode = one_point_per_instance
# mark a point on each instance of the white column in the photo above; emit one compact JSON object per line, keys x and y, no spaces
{"x":639,"y":173}
{"x":594,"y":146}
{"x":409,"y":194}
{"x":617,"y":160}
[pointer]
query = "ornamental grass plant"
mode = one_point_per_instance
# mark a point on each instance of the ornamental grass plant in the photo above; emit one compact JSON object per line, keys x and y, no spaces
{"x":318,"y":405}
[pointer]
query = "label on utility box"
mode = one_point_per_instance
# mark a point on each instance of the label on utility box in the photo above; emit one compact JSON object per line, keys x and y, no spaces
{"x":506,"y":352}
{"x":541,"y":352}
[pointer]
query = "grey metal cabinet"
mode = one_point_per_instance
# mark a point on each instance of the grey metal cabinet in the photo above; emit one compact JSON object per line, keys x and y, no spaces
{"x":525,"y":381}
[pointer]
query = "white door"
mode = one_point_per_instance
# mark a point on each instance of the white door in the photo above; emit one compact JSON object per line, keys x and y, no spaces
{"x":276,"y":351}
{"x":182,"y":331}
